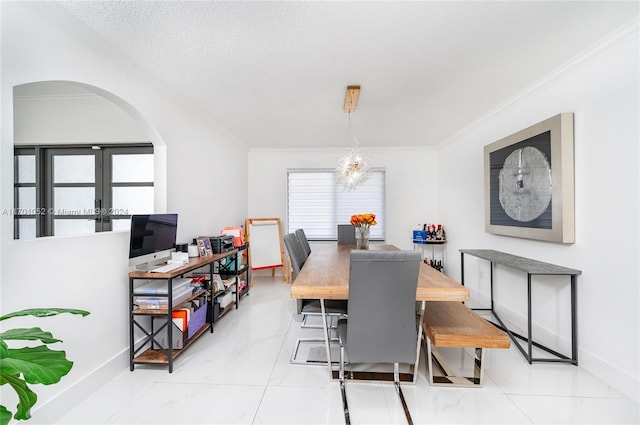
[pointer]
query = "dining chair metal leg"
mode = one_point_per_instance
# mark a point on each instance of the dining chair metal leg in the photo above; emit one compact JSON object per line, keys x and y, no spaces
{"x":319,"y":341}
{"x":347,"y":418}
{"x":343,"y":391}
{"x":306,"y":325}
{"x":396,"y":382}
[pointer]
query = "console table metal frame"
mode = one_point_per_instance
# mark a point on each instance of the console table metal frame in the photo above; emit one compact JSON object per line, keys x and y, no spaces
{"x":531,"y":267}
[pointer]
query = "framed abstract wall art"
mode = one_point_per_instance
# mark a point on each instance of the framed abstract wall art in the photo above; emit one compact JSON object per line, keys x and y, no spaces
{"x":529,"y":182}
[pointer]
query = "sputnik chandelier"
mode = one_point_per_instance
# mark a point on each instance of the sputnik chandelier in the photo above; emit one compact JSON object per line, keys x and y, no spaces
{"x":354,"y":168}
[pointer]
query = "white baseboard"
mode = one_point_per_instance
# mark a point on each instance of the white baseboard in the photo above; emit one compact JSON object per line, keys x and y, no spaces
{"x":616,"y":378}
{"x":57,"y":407}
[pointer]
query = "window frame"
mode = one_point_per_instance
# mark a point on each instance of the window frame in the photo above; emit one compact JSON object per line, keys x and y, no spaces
{"x":102,"y":210}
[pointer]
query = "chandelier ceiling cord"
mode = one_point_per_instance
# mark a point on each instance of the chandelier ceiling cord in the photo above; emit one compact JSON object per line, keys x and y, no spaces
{"x":354,"y":168}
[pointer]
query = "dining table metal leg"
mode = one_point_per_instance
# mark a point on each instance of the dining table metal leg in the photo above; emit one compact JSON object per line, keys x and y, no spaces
{"x":423,"y":304}
{"x":327,"y":343}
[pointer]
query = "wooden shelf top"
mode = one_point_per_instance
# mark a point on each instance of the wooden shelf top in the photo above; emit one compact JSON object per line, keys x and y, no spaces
{"x":194,"y":263}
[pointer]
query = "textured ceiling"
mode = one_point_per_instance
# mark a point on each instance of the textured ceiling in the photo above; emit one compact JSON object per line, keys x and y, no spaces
{"x":274,"y":74}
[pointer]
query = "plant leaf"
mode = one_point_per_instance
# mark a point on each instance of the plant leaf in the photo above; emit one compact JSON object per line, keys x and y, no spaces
{"x":5,"y":415}
{"x":38,"y":365}
{"x":27,"y":398}
{"x":43,"y":312}
{"x":3,"y":349}
{"x":31,"y":334}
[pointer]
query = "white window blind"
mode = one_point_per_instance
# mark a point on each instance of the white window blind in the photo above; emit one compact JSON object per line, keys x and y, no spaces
{"x":317,"y":204}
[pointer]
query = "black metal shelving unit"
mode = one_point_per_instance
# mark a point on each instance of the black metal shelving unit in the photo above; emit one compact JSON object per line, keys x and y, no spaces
{"x":148,"y":350}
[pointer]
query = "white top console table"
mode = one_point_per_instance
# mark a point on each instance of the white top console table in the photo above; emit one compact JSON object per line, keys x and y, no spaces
{"x":530,"y":267}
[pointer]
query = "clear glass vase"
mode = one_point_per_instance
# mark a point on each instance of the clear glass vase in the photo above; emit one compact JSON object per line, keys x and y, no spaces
{"x":362,"y":237}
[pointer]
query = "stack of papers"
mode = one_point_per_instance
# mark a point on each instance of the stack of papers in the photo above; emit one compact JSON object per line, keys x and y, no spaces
{"x":149,"y":302}
{"x":159,"y":286}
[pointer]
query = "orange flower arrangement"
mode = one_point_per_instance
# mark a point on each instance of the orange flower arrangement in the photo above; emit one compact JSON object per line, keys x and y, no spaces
{"x":363,"y":220}
{"x":362,"y":223}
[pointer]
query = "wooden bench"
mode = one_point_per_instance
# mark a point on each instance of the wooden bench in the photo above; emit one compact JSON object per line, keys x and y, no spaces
{"x":453,"y":324}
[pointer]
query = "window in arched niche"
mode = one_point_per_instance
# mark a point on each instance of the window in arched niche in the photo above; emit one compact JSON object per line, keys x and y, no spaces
{"x":82,"y":164}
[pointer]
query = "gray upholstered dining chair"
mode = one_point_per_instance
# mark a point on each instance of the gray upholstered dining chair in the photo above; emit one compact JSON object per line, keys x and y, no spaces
{"x":302,"y":238}
{"x":295,"y":251}
{"x":306,"y":251}
{"x":346,"y":234}
{"x":381,"y":327}
{"x":305,"y":307}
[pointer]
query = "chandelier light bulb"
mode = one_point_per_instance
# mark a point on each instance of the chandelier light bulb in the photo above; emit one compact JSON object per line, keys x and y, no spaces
{"x":354,"y":168}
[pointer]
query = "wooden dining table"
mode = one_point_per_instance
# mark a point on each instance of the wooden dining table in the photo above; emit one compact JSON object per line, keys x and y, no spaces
{"x":325,"y":276}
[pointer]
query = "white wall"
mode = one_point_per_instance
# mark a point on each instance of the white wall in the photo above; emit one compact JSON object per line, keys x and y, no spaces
{"x":79,"y":118}
{"x":205,"y":181}
{"x":411,"y":173}
{"x":602,"y":90}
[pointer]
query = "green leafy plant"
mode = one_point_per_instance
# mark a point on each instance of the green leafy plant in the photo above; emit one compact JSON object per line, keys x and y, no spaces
{"x":31,"y":365}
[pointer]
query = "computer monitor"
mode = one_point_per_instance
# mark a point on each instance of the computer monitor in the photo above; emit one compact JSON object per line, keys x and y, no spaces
{"x":152,"y":239}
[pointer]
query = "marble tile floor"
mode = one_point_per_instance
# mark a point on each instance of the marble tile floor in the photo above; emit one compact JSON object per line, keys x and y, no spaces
{"x":241,"y":374}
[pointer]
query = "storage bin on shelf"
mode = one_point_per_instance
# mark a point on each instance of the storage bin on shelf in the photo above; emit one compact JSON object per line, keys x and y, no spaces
{"x":225,"y":299}
{"x":181,"y":332}
{"x":198,"y":318}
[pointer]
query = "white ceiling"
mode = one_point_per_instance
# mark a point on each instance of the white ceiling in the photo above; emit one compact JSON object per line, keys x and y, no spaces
{"x":274,"y":74}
